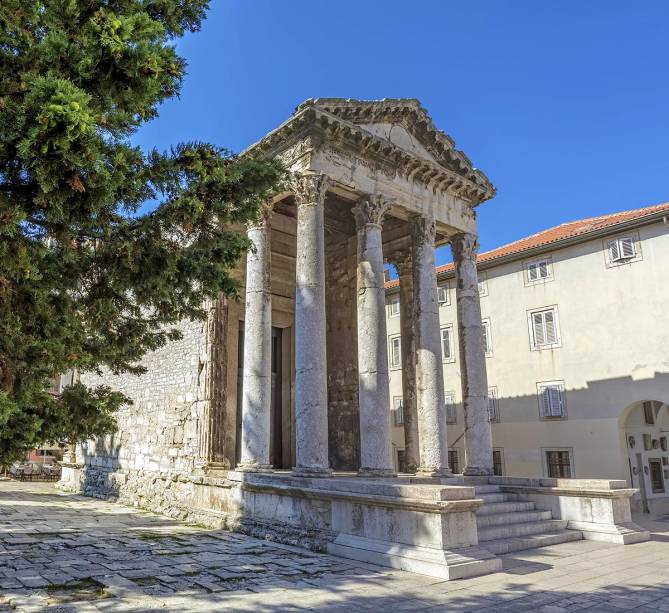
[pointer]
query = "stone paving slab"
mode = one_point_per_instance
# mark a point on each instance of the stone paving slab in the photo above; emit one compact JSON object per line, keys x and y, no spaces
{"x":64,"y":553}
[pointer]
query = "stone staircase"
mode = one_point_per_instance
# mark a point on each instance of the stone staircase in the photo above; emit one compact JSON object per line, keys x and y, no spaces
{"x":508,"y":523}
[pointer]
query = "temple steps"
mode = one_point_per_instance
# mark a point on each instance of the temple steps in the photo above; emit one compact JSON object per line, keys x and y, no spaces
{"x":507,"y":522}
{"x":505,"y":507}
{"x":503,"y":519}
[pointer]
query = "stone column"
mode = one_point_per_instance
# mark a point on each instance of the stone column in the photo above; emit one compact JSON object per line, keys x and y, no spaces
{"x":373,"y":388}
{"x":429,"y":368}
{"x":311,"y":400}
{"x":257,"y":387}
{"x":478,"y":434}
{"x":211,"y":426}
{"x":404,"y":264}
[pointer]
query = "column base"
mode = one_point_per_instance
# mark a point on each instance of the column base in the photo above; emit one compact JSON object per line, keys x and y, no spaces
{"x":477,"y":471}
{"x":425,"y":471}
{"x":307,"y":471}
{"x":376,"y":472}
{"x":254,"y":468}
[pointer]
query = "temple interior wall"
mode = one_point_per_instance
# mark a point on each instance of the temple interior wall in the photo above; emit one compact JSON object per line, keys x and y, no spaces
{"x":342,"y":362}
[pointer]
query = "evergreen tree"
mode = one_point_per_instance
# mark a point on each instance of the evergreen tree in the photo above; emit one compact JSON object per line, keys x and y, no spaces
{"x":87,"y":281}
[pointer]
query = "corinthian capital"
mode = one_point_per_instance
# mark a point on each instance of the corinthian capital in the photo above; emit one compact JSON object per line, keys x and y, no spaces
{"x":309,"y":188}
{"x":402,"y":259}
{"x":370,"y":209}
{"x":263,"y":219}
{"x":464,"y":246}
{"x":423,"y":229}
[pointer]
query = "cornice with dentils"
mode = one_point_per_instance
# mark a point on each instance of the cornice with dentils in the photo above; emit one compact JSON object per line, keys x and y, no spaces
{"x":453,"y":174}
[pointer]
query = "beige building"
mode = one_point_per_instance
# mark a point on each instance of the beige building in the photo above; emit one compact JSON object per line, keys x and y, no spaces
{"x":576,"y":352}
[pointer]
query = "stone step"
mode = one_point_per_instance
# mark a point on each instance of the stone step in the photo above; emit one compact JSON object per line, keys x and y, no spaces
{"x":492,"y":508}
{"x":498,"y":497}
{"x":513,"y":530}
{"x":502,"y":546}
{"x":487,"y":489}
{"x":502,"y":519}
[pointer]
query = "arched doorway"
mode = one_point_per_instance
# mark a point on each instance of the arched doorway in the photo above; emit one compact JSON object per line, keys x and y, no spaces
{"x":646,"y":439}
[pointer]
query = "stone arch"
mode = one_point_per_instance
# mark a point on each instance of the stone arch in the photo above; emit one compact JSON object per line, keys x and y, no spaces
{"x":646,"y":447}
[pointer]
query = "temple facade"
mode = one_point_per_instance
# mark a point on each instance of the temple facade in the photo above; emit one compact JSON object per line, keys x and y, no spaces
{"x":273,"y":415}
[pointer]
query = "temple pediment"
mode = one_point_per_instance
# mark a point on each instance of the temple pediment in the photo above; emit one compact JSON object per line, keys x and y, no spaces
{"x":393,"y":136}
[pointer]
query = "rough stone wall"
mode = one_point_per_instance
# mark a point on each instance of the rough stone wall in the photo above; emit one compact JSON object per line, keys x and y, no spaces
{"x":160,"y":431}
{"x":341,"y":339}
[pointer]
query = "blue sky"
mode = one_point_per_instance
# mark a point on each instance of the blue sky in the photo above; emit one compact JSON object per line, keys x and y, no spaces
{"x":564,"y":105}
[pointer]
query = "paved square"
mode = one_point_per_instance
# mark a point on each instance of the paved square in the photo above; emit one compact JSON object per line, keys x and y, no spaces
{"x":60,"y":552}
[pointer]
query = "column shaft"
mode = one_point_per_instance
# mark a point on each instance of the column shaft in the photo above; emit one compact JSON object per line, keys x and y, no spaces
{"x":257,"y":386}
{"x":373,"y":389}
{"x":429,"y":368}
{"x":478,"y":433}
{"x":311,"y":402}
{"x":404,"y":264}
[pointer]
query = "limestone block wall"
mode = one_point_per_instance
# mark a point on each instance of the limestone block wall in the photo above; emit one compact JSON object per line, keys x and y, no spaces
{"x":341,"y":339}
{"x":159,"y":432}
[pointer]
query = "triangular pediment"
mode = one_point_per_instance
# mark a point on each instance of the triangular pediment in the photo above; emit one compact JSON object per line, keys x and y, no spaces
{"x":396,"y":129}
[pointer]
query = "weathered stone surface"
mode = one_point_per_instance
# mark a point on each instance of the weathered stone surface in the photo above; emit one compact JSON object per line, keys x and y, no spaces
{"x":374,"y":397}
{"x":432,"y":429}
{"x":257,"y":386}
{"x":478,"y":434}
{"x":311,"y":407}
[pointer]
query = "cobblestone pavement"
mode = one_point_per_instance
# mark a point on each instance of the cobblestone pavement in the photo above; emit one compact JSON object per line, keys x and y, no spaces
{"x":65,"y":553}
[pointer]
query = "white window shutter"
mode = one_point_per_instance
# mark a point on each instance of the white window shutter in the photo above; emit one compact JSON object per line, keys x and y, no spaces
{"x":627,"y":247}
{"x":396,"y":352}
{"x":450,"y":408}
{"x":492,"y":405}
{"x":545,"y":402}
{"x":446,"y":343}
{"x":549,"y":319}
{"x":538,"y":329}
{"x":614,"y":252}
{"x":556,"y":401}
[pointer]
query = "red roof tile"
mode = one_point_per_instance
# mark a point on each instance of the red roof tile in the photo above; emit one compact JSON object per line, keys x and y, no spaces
{"x":571,"y":229}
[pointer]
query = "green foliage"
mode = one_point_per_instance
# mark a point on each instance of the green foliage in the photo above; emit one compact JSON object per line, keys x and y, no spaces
{"x":87,"y":281}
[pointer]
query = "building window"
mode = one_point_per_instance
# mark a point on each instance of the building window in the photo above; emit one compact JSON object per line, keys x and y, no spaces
{"x":447,"y":352}
{"x":483,"y":284}
{"x":656,"y":479}
{"x":551,"y":399}
{"x":544,"y":328}
{"x":538,"y":271}
{"x":493,"y":405}
{"x":398,"y":410}
{"x":402,"y":461}
{"x":648,"y":413}
{"x":558,"y":463}
{"x":442,"y":293}
{"x":394,"y":306}
{"x":395,"y":351}
{"x":454,"y":461}
{"x":449,"y":401}
{"x":497,"y":462}
{"x":487,"y":338}
{"x":621,"y":249}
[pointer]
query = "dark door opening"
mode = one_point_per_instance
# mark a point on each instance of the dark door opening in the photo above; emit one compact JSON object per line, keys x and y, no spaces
{"x":277,"y":422}
{"x":278,"y":458}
